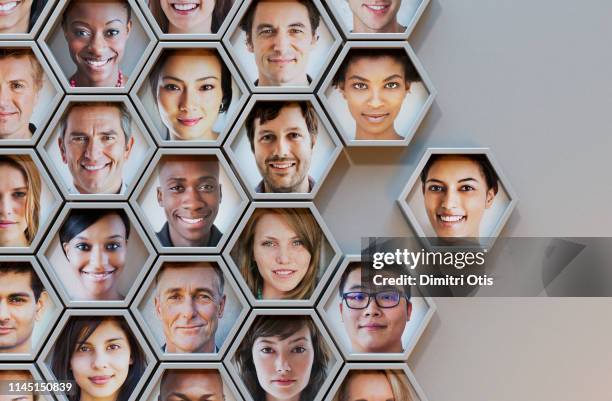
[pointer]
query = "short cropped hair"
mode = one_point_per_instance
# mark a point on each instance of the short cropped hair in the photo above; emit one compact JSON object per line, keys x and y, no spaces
{"x":37,"y":70}
{"x":126,"y":118}
{"x":179,"y":265}
{"x":24,"y":268}
{"x":483,"y":161}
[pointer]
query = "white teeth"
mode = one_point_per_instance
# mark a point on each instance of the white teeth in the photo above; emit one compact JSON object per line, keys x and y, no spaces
{"x":283,"y":272}
{"x":451,"y":219}
{"x":8,"y":6}
{"x":282,"y":165}
{"x":98,"y":276}
{"x":97,"y":63}
{"x":184,"y":7}
{"x":192,"y":221}
{"x":377,"y":8}
{"x":94,"y":168}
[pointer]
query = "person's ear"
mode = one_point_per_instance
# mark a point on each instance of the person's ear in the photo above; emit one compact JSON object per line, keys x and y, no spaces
{"x":408,"y":85}
{"x":160,"y":197}
{"x":220,"y":193}
{"x":60,"y":143}
{"x":221,"y":307}
{"x":65,"y":246}
{"x":408,"y":310}
{"x":41,"y":305}
{"x":249,"y":43}
{"x":128,"y":148}
{"x":341,"y":89}
{"x":128,"y":27}
{"x":341,"y":306}
{"x":315,"y":38}
{"x":490,"y":198}
{"x":157,"y":305}
{"x":313,"y":140}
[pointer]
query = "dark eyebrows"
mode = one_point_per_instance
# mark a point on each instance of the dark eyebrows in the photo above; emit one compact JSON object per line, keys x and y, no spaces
{"x":114,"y":20}
{"x":19,"y":294}
{"x":357,"y":77}
{"x":468,"y":179}
{"x":357,"y":287}
{"x":263,"y":26}
{"x":300,"y":339}
{"x":110,"y":340}
{"x":297,"y":25}
{"x":394,"y":76}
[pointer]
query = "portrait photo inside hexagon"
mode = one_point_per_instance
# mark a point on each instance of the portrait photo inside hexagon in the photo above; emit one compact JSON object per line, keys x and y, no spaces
{"x":190,"y":95}
{"x":374,"y":385}
{"x":283,"y":147}
{"x":27,"y":200}
{"x":282,"y":253}
{"x":98,"y":249}
{"x":97,"y":148}
{"x":282,"y":43}
{"x":196,"y":17}
{"x":190,"y":201}
{"x":97,"y":43}
{"x":362,"y":16}
{"x":27,"y":309}
{"x":376,"y":94}
{"x":371,"y":319}
{"x":101,"y":355}
{"x":458,"y":196}
{"x":191,"y":384}
{"x":25,"y":89}
{"x":190,"y":307}
{"x":20,"y":16}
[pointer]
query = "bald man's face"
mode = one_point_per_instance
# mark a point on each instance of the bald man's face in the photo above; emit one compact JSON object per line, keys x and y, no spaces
{"x":194,"y":385}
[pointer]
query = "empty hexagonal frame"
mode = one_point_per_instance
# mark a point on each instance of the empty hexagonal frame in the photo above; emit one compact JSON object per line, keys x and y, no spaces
{"x":40,"y":88}
{"x":33,"y":212}
{"x":390,"y":380}
{"x":101,"y":248}
{"x":286,"y":329}
{"x":209,"y":120}
{"x":14,"y":374}
{"x":478,"y":222}
{"x":396,"y":23}
{"x":191,"y":381}
{"x":298,"y":246}
{"x":166,"y":308}
{"x":200,"y":196}
{"x":109,"y":169}
{"x":32,"y":330}
{"x":38,"y":12}
{"x":222,"y":15}
{"x":299,"y":63}
{"x":342,"y":321}
{"x":94,"y":328}
{"x":294,"y":141}
{"x":380,"y":97}
{"x":95,"y":56}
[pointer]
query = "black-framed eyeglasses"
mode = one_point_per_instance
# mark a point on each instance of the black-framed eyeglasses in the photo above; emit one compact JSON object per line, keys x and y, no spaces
{"x":361,"y":300}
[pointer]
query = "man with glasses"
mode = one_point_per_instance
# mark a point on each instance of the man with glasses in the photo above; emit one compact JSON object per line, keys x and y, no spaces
{"x":374,"y":316}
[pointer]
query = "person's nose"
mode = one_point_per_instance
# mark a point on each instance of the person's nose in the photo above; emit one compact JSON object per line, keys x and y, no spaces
{"x":282,"y":362}
{"x":6,"y":206}
{"x":375,"y":100}
{"x":372,"y":309}
{"x":282,"y":42}
{"x":97,"y":44}
{"x":4,"y":310}
{"x":451,"y":199}
{"x":188,"y":308}
{"x":93,"y":149}
{"x":5,"y":96}
{"x":98,"y":258}
{"x":188,"y":100}
{"x":282,"y":255}
{"x":101,"y":359}
{"x":282,"y":147}
{"x":192,"y":199}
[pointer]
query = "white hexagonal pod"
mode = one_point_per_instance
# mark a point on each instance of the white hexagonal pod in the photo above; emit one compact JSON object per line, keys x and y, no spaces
{"x":27,"y":330}
{"x":443,"y":209}
{"x":184,"y":307}
{"x":124,"y":365}
{"x":293,"y":242}
{"x":391,"y":21}
{"x":101,"y":248}
{"x":377,"y":93}
{"x":195,"y":24}
{"x":288,"y":56}
{"x":393,"y":381}
{"x":299,"y":133}
{"x":28,"y":215}
{"x":191,"y":381}
{"x":101,"y":52}
{"x":191,"y":203}
{"x":15,"y":375}
{"x":96,"y":159}
{"x":391,"y":327}
{"x":24,"y":62}
{"x":189,"y":94}
{"x":262,"y":349}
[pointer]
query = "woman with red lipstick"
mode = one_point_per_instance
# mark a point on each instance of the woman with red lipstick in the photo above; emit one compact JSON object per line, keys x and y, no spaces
{"x":190,"y":16}
{"x":279,"y":253}
{"x":95,"y":244}
{"x":97,"y":33}
{"x":20,"y":189}
{"x":282,"y":358}
{"x":101,"y":355}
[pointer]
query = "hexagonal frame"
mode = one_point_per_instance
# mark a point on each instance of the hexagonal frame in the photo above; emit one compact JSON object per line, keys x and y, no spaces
{"x":53,"y":298}
{"x":53,"y":273}
{"x":325,"y":19}
{"x":53,"y":22}
{"x":134,"y":201}
{"x":378,"y":45}
{"x":378,"y":366}
{"x":144,"y":76}
{"x":415,"y":177}
{"x":238,"y":128}
{"x":322,"y":280}
{"x":379,"y":36}
{"x":330,"y":292}
{"x":46,"y":352}
{"x":49,"y":136}
{"x":335,"y":365}
{"x":146,"y":329}
{"x":33,"y":371}
{"x":51,"y":106}
{"x":53,"y":209}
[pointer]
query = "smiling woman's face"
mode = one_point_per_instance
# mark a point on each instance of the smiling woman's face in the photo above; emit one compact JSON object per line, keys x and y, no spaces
{"x":13,"y":199}
{"x":15,"y":16}
{"x":188,"y":16}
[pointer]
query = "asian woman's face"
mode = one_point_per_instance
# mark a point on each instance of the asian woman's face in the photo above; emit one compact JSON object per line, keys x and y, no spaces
{"x":189,"y":94}
{"x":188,"y":16}
{"x":283,"y":366}
{"x":100,"y":364}
{"x":97,"y":255}
{"x":14,"y":193}
{"x":97,"y":32}
{"x":374,"y":89}
{"x":456,"y":196}
{"x":280,"y":254}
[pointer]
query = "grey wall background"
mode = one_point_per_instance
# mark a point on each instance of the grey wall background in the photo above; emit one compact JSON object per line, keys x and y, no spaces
{"x":532,"y":81}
